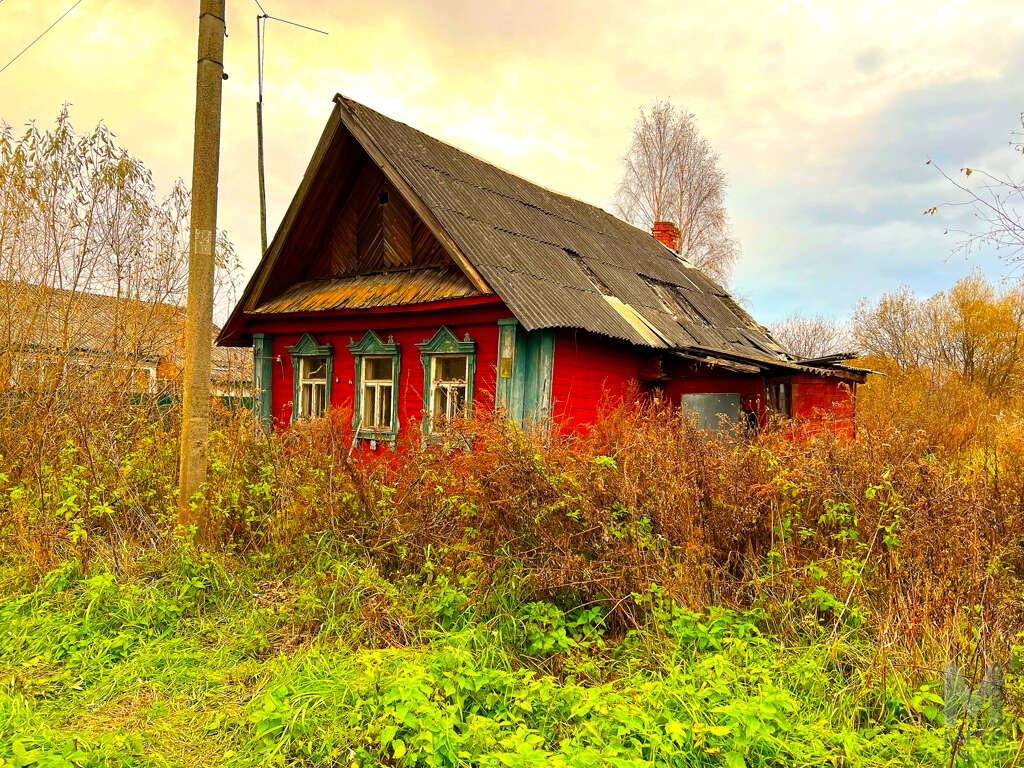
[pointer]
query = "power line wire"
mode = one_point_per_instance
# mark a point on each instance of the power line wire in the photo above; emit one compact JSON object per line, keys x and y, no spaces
{"x":40,"y":36}
{"x":295,"y":24}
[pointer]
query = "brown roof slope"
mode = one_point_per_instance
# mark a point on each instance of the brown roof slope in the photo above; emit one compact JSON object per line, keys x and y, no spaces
{"x":559,"y":262}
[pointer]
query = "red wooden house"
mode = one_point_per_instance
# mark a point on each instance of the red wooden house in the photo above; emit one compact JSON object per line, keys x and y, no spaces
{"x":410,"y":281}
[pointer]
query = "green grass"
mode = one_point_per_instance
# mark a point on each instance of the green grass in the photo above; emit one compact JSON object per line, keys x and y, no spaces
{"x":182,"y":660}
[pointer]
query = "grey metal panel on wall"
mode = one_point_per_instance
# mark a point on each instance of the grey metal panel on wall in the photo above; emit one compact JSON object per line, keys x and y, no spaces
{"x":714,"y":410}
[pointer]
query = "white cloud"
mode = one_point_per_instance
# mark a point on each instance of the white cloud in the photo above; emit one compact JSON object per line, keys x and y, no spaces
{"x":792,"y":95}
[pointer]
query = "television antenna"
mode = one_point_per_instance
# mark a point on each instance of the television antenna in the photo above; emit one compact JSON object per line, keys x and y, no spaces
{"x":261,"y":40}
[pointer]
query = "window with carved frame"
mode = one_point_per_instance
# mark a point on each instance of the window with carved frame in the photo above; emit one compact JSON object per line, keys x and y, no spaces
{"x":449,"y":366}
{"x":312,"y":365}
{"x":377,"y":365}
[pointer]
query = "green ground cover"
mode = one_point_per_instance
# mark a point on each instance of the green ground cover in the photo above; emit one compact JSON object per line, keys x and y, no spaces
{"x":186,"y":660}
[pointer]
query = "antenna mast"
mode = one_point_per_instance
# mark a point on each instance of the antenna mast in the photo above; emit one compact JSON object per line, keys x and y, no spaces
{"x":261,"y":34}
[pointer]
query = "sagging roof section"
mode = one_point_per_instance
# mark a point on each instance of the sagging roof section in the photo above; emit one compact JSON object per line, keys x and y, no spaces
{"x":554,"y":261}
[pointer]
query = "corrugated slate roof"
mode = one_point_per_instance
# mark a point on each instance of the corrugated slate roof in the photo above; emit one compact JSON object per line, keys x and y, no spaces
{"x":381,"y":289}
{"x":554,"y":261}
{"x":557,"y":262}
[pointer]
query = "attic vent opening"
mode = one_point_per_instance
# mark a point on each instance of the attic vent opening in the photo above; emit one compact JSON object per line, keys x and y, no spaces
{"x":591,"y":274}
{"x":383,"y":199}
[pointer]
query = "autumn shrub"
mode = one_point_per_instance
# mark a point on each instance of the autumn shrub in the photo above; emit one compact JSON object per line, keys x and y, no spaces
{"x":895,"y":532}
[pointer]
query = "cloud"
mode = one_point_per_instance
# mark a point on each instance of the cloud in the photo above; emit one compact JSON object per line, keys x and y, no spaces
{"x":854,"y":226}
{"x":823,"y":113}
{"x":869,"y":60}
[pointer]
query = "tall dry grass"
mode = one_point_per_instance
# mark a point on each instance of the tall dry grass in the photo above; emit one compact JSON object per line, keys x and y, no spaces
{"x":892,"y":534}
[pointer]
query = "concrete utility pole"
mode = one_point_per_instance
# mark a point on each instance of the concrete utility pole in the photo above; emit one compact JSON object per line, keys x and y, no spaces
{"x":195,"y":422}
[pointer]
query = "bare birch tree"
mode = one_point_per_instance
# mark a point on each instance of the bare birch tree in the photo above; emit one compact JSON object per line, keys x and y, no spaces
{"x":813,"y":336}
{"x":672,"y":173}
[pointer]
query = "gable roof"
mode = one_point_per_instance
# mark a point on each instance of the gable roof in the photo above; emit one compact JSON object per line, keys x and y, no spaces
{"x":554,"y":261}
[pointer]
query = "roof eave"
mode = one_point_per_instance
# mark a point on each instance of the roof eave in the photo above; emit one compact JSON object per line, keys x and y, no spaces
{"x":768,"y":365}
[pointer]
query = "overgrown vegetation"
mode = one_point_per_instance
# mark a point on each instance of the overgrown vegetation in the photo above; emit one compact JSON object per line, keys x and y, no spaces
{"x":643,"y":594}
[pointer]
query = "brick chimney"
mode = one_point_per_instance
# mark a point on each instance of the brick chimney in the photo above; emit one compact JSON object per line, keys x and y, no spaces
{"x":667,"y":233}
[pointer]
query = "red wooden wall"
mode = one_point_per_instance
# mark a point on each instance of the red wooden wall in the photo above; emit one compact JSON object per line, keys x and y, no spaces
{"x":478,"y":319}
{"x":588,"y":370}
{"x":821,"y":402}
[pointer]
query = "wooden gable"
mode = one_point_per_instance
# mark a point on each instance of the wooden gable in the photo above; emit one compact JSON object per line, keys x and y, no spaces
{"x":373,"y":229}
{"x":354,"y":215}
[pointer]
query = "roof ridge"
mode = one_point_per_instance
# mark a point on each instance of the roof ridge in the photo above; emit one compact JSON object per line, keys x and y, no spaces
{"x":349,"y":102}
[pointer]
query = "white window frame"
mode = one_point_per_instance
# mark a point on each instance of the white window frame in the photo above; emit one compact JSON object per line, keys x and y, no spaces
{"x":372,"y":389}
{"x":446,"y":345}
{"x":448,"y":386}
{"x":308,"y":410}
{"x":371,"y":346}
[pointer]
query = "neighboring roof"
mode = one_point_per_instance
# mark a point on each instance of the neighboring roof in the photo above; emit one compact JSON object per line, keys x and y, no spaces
{"x":555,"y":262}
{"x":229,"y":365}
{"x":43,"y":319}
{"x":382,"y":289}
{"x":46,"y":318}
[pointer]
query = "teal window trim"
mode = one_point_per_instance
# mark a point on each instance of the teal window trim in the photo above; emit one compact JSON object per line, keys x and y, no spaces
{"x":262,"y":373}
{"x":442,"y":343}
{"x":307,"y":346}
{"x":371,"y":345}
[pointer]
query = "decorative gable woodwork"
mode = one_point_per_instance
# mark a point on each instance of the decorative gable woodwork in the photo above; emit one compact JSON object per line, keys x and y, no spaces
{"x":374,"y":230}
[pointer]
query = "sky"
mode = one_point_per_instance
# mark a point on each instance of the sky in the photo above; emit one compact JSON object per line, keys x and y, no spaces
{"x":824,"y":114}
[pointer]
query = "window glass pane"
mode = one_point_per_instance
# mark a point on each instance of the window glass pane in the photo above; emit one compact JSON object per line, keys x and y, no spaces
{"x":780,"y":396}
{"x":456,"y":401}
{"x":451,"y":368}
{"x":379,"y":368}
{"x":369,"y":407}
{"x":440,"y":404}
{"x":320,"y":394}
{"x":305,"y":399}
{"x":385,"y":405}
{"x":314,"y":368}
